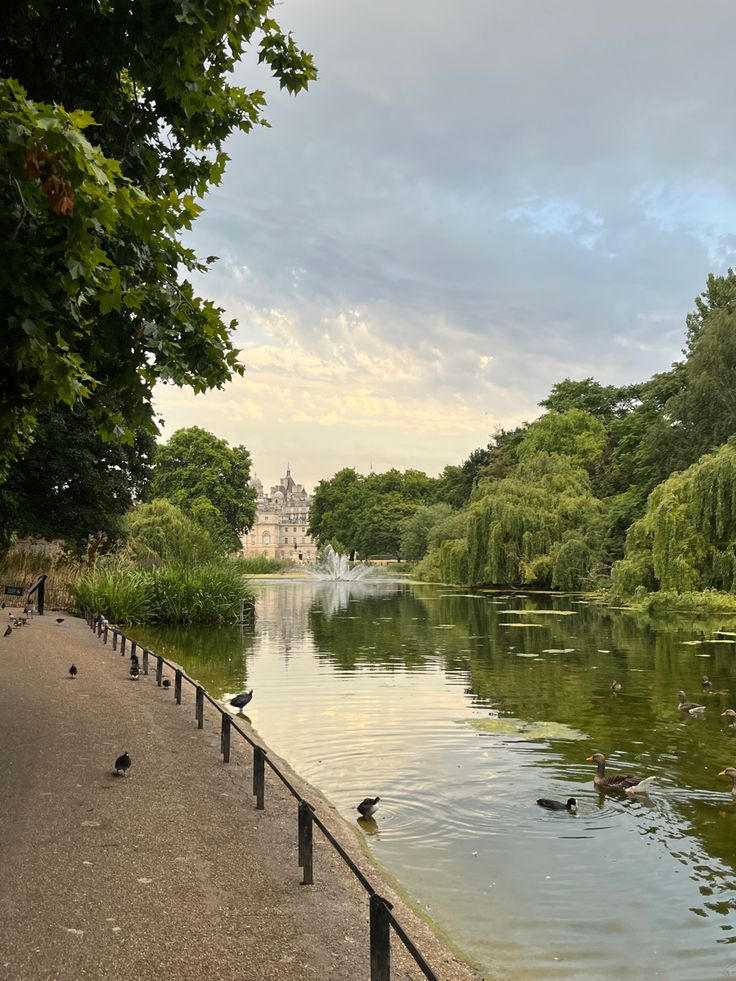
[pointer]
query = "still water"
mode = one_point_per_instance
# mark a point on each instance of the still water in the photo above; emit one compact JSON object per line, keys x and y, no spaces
{"x":459,"y":710}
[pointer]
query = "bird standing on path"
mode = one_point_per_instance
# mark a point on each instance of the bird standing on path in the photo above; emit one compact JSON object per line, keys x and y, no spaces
{"x":166,"y":683}
{"x":557,"y":805}
{"x":241,"y":700}
{"x":73,"y":671}
{"x":8,"y":631}
{"x":134,"y":671}
{"x":368,"y":807}
{"x":122,"y":763}
{"x":60,"y":619}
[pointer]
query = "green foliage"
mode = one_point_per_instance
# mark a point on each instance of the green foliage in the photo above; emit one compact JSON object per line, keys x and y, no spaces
{"x":575,"y":434}
{"x":605,"y":402}
{"x":686,"y":540}
{"x":210,"y":593}
{"x":259,"y":565}
{"x":415,"y":530}
{"x":208,"y":480}
{"x":161,"y":532}
{"x":541,"y":526}
{"x":705,"y":602}
{"x":69,"y":484}
{"x":122,"y":129}
{"x":719,"y":294}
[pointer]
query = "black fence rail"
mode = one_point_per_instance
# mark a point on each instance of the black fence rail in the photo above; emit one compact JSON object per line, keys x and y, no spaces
{"x":382,"y":920}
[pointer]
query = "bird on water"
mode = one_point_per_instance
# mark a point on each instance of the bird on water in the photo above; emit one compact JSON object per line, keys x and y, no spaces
{"x":616,"y":686}
{"x":557,"y":805}
{"x":706,"y":682}
{"x":730,"y":771}
{"x":368,"y":806}
{"x":122,"y":763}
{"x":692,"y":707}
{"x":618,"y":782}
{"x":730,"y":714}
{"x":73,"y":671}
{"x":241,"y":700}
{"x":642,"y":787}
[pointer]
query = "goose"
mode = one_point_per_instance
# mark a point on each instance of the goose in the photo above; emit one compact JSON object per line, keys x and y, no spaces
{"x":730,"y":771}
{"x":730,"y":714}
{"x":642,"y":787}
{"x":616,"y":686}
{"x":706,"y":682}
{"x":692,"y":707}
{"x":618,"y":782}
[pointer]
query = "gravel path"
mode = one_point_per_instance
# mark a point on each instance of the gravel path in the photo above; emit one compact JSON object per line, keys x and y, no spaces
{"x":169,"y":871}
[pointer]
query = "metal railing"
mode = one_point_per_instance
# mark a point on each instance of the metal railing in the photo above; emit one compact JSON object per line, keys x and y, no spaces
{"x":381,"y":917}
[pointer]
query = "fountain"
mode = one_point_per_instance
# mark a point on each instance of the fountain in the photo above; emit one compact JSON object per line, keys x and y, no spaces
{"x":336,"y":568}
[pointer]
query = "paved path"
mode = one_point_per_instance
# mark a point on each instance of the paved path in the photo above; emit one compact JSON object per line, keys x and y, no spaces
{"x":170,"y":871}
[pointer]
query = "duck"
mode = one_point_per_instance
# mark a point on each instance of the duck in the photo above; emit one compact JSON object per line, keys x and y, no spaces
{"x":616,"y":686}
{"x":730,"y":771}
{"x":730,"y":714}
{"x":557,"y":805}
{"x":691,"y":707}
{"x":642,"y":787}
{"x":368,"y":806}
{"x":618,"y":782}
{"x":706,"y":682}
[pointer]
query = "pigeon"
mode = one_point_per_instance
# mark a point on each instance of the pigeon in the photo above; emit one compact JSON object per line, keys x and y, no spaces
{"x":368,"y":807}
{"x":616,"y":686}
{"x":8,"y":631}
{"x":557,"y":805}
{"x":60,"y":619}
{"x":73,"y":671}
{"x":166,"y":683}
{"x":134,"y":658}
{"x":122,"y":763}
{"x":241,"y":700}
{"x":134,"y":671}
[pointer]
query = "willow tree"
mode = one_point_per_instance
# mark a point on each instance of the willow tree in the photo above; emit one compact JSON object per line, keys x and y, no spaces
{"x":540,"y":526}
{"x":686,"y":539}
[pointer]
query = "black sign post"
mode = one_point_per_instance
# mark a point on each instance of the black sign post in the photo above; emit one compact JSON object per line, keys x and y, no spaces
{"x":40,"y":587}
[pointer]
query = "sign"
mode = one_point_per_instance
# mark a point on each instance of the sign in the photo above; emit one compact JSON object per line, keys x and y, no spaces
{"x":14,"y":590}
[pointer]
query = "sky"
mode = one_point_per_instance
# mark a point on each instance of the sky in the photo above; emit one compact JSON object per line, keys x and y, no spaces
{"x":473,"y":201}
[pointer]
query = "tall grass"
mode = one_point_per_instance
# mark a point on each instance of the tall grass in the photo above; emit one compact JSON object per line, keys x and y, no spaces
{"x":259,"y":565}
{"x":208,"y":593}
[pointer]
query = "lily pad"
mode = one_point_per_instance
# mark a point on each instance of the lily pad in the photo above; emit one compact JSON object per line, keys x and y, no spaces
{"x":540,"y":625}
{"x":526,"y":730}
{"x":559,"y":650}
{"x":542,"y":613}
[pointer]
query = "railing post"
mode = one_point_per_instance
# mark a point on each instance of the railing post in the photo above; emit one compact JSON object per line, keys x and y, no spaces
{"x":177,"y":686}
{"x":380,"y":938}
{"x":159,"y":669}
{"x":225,"y":738}
{"x":259,"y":775}
{"x":199,"y":707}
{"x":123,"y":639}
{"x":145,"y":660}
{"x":106,"y":630}
{"x":305,"y":841}
{"x":114,"y":640}
{"x":99,"y":625}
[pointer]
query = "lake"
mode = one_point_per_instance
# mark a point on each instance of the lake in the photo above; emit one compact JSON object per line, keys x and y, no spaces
{"x":460,"y":709}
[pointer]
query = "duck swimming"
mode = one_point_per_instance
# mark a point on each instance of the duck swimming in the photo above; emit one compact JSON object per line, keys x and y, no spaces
{"x":557,"y":805}
{"x":618,"y":782}
{"x":730,"y":771}
{"x":616,"y":686}
{"x":691,"y":707}
{"x":730,"y":714}
{"x":368,"y":807}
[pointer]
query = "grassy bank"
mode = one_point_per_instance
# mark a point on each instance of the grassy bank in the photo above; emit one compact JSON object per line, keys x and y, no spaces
{"x":209,"y":593}
{"x":709,"y":601}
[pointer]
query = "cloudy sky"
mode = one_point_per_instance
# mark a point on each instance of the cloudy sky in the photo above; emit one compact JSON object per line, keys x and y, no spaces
{"x":474,"y":201}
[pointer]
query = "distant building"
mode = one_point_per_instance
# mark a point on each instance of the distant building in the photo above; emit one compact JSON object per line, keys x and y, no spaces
{"x":282,"y":518}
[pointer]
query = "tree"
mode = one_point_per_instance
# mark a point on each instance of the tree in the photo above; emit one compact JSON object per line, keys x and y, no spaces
{"x":202,"y":475}
{"x":605,"y":402}
{"x":160,"y":531}
{"x":575,"y":434}
{"x":122,"y":128}
{"x":336,"y":503}
{"x":378,"y":525}
{"x":416,"y":529}
{"x":540,"y":526}
{"x":71,"y":484}
{"x":719,"y":294}
{"x":686,"y":540}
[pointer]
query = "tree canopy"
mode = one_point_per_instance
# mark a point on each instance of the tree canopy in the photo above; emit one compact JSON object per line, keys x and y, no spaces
{"x":113,"y":119}
{"x":208,"y":480}
{"x":161,"y":532}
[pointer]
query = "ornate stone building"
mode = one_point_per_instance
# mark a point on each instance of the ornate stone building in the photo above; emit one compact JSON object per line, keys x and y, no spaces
{"x":282,"y":519}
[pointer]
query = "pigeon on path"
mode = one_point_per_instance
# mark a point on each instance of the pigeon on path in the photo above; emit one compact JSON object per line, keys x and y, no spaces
{"x":122,"y":763}
{"x":8,"y":631}
{"x":73,"y":671}
{"x":60,"y":619}
{"x":166,"y":683}
{"x":134,"y":670}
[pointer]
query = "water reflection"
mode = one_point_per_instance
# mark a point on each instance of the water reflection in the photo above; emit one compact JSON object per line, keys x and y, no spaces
{"x":460,"y":710}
